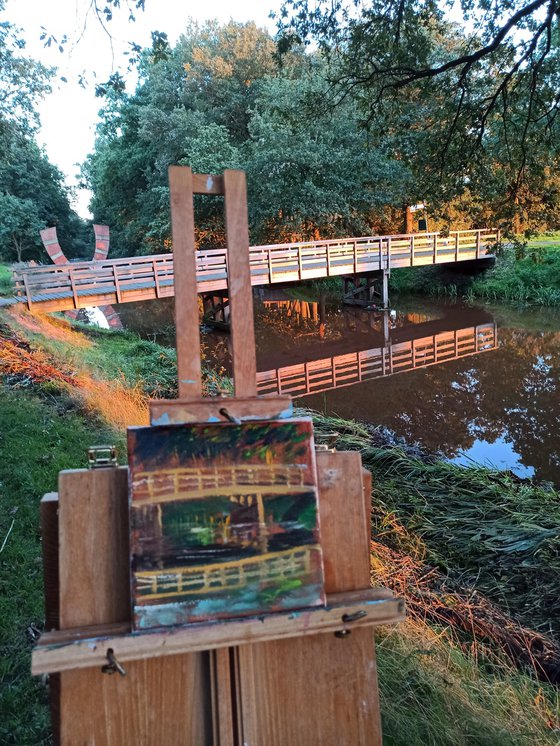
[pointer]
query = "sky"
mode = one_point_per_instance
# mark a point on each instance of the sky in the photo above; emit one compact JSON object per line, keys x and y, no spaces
{"x":69,"y":114}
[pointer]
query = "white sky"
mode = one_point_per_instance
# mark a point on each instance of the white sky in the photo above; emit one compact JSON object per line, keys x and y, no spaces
{"x":69,"y":114}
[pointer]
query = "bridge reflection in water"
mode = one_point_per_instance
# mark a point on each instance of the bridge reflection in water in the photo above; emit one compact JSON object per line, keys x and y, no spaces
{"x":349,"y":368}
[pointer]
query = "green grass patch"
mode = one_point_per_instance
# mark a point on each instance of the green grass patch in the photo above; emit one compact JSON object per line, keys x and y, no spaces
{"x":6,"y":281}
{"x":525,"y":273}
{"x":533,"y":280}
{"x":432,"y":693}
{"x":40,"y":436}
{"x":138,"y":362}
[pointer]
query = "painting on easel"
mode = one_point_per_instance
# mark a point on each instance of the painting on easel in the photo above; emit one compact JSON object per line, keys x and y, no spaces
{"x":224,"y":521}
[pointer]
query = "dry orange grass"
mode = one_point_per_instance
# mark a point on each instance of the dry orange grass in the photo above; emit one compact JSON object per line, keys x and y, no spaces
{"x":118,"y":404}
{"x":463,"y":615}
{"x":50,"y":326}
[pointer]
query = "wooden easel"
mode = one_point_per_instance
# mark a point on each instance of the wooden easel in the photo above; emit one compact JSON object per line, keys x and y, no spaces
{"x":304,"y":679}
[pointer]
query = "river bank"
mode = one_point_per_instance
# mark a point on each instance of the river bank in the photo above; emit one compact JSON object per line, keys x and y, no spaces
{"x":461,"y":545}
{"x":526,"y":273}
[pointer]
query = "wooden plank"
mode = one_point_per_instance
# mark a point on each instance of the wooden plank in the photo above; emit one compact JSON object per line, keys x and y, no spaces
{"x":322,"y":692}
{"x":244,"y":361}
{"x":49,"y":543}
{"x":224,"y":706}
{"x":175,"y":412}
{"x":340,"y":494}
{"x":97,"y":709}
{"x":93,"y":524}
{"x":372,"y":607}
{"x":336,"y":675}
{"x":186,"y":301}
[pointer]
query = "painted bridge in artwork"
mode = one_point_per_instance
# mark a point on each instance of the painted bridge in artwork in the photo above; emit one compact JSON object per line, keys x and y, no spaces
{"x":82,"y":284}
{"x":226,"y":576}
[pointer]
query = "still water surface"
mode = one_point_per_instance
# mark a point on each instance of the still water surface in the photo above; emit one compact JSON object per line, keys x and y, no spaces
{"x":476,"y":384}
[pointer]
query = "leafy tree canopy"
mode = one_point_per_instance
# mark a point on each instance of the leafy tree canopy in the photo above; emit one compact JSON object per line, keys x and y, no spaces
{"x":220,"y":100}
{"x":482,"y":96}
{"x":32,"y":193}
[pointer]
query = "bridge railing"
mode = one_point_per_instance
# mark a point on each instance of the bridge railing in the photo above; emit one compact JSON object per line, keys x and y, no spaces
{"x":80,"y":284}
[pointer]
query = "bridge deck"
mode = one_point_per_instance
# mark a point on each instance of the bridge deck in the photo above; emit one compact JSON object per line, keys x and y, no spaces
{"x":82,"y":284}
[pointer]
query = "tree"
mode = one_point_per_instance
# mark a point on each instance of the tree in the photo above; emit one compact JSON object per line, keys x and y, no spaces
{"x":19,"y":227}
{"x":492,"y":93}
{"x":23,"y":81}
{"x":220,"y":100}
{"x":28,"y":181}
{"x":314,"y":176}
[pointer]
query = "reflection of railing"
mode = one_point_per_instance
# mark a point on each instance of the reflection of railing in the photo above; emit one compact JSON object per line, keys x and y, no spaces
{"x":298,"y":309}
{"x":225,"y":576}
{"x":82,"y":284}
{"x":173,"y":484}
{"x":345,"y":370}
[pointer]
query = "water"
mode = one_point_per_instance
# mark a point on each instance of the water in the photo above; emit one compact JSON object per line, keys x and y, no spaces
{"x":476,"y":384}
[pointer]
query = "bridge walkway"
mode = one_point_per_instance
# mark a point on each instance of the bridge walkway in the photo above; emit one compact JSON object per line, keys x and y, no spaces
{"x":82,"y":284}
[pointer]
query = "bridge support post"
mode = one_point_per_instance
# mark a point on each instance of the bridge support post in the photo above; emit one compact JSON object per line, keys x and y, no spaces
{"x":385,"y":287}
{"x":215,"y":307}
{"x":386,"y":329}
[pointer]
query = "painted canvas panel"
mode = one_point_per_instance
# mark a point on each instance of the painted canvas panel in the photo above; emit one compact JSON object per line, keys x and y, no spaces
{"x":224,"y":521}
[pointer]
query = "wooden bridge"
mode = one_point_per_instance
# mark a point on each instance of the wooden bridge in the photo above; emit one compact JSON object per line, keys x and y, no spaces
{"x":82,"y":284}
{"x":315,"y":376}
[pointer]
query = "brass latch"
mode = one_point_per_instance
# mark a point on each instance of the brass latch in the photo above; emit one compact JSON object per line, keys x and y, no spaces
{"x":100,"y":457}
{"x":326,"y":441}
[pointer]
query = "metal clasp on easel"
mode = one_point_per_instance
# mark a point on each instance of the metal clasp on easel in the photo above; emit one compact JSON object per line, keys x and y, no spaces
{"x":325,"y":442}
{"x":113,"y":666}
{"x":99,"y":457}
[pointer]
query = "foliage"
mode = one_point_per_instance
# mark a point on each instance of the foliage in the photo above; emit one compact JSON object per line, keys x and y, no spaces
{"x":324,"y":157}
{"x":487,"y":96}
{"x":32,"y":196}
{"x":20,"y":226}
{"x":23,"y":81}
{"x":529,"y":280}
{"x":218,"y":100}
{"x":6,"y":282}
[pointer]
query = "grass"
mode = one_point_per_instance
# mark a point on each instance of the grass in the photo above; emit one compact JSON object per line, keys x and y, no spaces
{"x":485,"y":527}
{"x":6,"y":281}
{"x":522,"y":281}
{"x":525,"y":273}
{"x":432,"y":693}
{"x":440,"y":683}
{"x":106,"y":355}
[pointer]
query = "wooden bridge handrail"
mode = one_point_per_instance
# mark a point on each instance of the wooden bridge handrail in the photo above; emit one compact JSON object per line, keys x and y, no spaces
{"x":253,"y":249}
